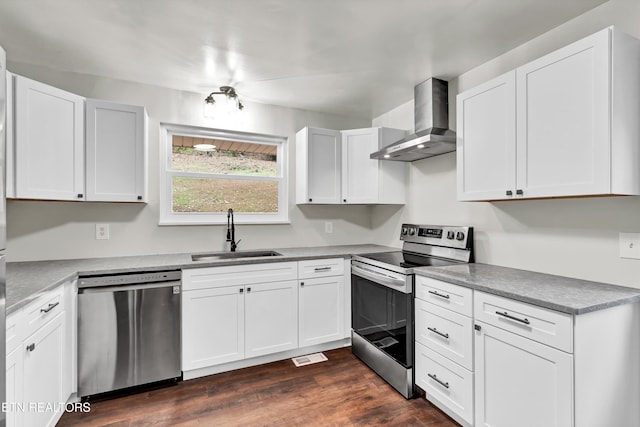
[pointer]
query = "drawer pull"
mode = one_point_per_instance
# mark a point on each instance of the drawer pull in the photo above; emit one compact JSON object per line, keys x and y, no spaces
{"x":322,"y":269}
{"x":51,"y":307}
{"x":517,"y":319}
{"x":438,"y":380}
{"x":31,"y":347}
{"x":435,"y":331}
{"x":438,"y":294}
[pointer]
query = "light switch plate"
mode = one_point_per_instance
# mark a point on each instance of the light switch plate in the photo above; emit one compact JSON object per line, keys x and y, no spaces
{"x":102,"y":231}
{"x":630,"y":245}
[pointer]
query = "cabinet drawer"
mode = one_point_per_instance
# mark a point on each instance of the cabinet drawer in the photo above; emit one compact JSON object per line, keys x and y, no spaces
{"x":539,"y":324}
{"x":446,"y":384}
{"x":447,"y":332}
{"x":14,"y":330}
{"x":320,"y":268}
{"x":242,"y":274}
{"x":43,"y":309}
{"x":447,"y":295}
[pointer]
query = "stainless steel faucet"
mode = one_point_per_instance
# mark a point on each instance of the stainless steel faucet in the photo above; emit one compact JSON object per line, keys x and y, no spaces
{"x":231,"y":231}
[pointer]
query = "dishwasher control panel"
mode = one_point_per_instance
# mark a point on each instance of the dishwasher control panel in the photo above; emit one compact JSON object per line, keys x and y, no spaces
{"x":129,"y":278}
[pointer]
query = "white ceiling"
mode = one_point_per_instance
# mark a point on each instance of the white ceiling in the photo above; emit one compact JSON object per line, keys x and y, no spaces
{"x":354,"y":57}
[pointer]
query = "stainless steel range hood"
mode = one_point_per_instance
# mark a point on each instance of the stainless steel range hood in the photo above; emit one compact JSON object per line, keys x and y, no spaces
{"x":432,"y":134}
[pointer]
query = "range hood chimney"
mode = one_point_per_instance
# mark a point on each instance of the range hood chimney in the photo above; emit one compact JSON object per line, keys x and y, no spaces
{"x":432,"y":134}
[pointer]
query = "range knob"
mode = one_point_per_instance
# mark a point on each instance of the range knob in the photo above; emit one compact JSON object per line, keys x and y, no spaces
{"x":459,"y":235}
{"x":404,"y":231}
{"x":412,"y":231}
{"x":450,"y":235}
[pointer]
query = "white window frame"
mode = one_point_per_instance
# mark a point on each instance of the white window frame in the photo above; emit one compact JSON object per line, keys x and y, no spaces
{"x":168,"y":217}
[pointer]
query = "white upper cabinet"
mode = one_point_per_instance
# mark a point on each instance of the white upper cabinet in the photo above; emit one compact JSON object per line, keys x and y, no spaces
{"x":53,"y":153}
{"x":116,"y":140}
{"x":334,"y":167}
{"x":366,"y":180}
{"x":568,"y":129}
{"x":486,"y":132}
{"x":49,"y":142}
{"x":318,"y":166}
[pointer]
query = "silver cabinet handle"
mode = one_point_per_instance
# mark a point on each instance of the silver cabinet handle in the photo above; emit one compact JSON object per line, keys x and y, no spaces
{"x":435,"y":331}
{"x":322,"y":269}
{"x":31,"y":347}
{"x":49,"y":308}
{"x":376,"y":277}
{"x":517,"y":319}
{"x":438,"y":380}
{"x":438,"y":294}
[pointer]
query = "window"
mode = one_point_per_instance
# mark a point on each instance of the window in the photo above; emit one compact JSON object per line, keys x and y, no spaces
{"x":204,"y":172}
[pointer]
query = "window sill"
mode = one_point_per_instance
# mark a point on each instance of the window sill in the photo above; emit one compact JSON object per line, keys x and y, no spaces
{"x":237,"y":221}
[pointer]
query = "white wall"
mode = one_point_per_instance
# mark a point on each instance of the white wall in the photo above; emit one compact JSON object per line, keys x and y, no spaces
{"x":570,"y":237}
{"x":60,"y":230}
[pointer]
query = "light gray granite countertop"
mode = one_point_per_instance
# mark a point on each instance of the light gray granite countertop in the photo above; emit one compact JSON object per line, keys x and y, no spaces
{"x":28,"y":280}
{"x":573,"y":296}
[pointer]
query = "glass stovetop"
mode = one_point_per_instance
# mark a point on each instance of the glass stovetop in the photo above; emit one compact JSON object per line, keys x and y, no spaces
{"x":407,"y":259}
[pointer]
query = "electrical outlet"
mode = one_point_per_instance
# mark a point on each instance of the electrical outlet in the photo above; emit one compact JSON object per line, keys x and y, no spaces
{"x":630,"y":245}
{"x":102,"y":231}
{"x":328,"y":227}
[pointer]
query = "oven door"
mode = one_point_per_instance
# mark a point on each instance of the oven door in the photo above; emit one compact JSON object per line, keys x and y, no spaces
{"x":382,"y":310}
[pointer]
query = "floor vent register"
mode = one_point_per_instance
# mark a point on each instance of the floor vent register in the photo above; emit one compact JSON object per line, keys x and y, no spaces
{"x":309,"y":359}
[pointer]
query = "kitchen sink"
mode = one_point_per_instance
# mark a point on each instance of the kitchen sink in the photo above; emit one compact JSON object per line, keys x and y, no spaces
{"x":232,"y":255}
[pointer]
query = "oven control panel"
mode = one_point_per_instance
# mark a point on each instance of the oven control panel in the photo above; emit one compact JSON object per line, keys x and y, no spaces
{"x":439,"y":235}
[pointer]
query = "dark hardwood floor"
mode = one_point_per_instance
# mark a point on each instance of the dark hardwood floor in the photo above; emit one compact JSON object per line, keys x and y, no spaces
{"x":339,"y":392}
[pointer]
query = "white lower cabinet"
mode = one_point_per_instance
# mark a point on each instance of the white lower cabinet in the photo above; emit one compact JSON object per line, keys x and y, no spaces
{"x":236,"y":316}
{"x":320,"y":310}
{"x":40,"y":359}
{"x":271,"y":318}
{"x":230,"y":323}
{"x":212,"y":326}
{"x":43,"y":368}
{"x":14,"y":363}
{"x":520,"y":382}
{"x":446,"y":383}
{"x":507,"y":363}
{"x":321,"y":301}
{"x":444,"y":346}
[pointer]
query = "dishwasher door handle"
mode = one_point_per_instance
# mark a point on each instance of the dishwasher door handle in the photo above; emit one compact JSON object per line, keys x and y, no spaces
{"x":126,"y":288}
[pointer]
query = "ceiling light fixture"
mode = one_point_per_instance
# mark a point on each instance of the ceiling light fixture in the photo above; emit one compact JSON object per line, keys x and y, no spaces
{"x":232,"y":103}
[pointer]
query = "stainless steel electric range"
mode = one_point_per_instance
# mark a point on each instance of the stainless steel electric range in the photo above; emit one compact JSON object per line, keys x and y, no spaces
{"x":382,"y":292}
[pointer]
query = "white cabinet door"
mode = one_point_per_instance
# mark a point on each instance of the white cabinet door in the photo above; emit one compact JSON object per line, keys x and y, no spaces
{"x":359,"y":172}
{"x":563,"y":107}
{"x":49,"y":142}
{"x":271,"y":318}
{"x":486,"y":135}
{"x":321,"y":310}
{"x":14,"y":380}
{"x":212,"y":326}
{"x":44,"y":361}
{"x":115,"y":152}
{"x":520,"y":382}
{"x":318,"y":160}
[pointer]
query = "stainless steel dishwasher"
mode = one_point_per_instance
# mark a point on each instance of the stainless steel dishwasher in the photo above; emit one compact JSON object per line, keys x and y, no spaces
{"x":128,"y":330}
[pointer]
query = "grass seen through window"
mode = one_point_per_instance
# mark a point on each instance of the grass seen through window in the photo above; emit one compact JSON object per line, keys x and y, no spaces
{"x":218,"y":194}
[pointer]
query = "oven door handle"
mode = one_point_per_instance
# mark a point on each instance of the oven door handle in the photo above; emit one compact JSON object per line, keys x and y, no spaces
{"x":382,"y":279}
